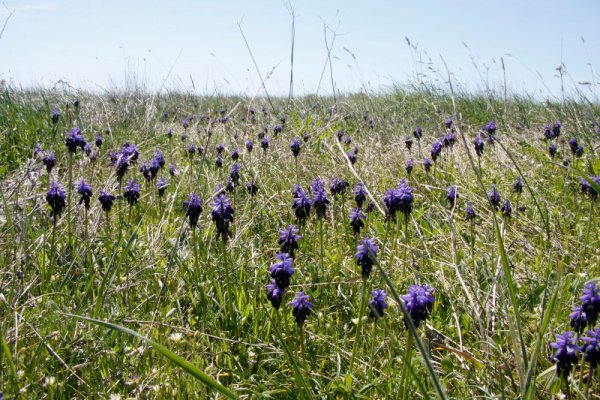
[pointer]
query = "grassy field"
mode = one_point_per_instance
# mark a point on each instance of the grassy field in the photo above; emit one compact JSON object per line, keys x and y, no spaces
{"x":76,"y":281}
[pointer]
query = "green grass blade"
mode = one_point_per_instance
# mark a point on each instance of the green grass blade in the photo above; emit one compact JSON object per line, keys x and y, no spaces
{"x":185,"y":365}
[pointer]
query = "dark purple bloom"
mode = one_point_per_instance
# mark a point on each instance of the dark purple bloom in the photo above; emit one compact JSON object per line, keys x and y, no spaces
{"x":301,"y":308}
{"x":76,"y":104}
{"x":340,"y":134}
{"x":131,"y":192}
{"x":56,"y":198}
{"x":398,"y":199}
{"x":408,"y":142}
{"x":275,"y":294}
{"x":85,"y":191}
{"x":74,"y":139}
{"x":145,"y":171}
{"x":234,"y":173}
{"x":191,"y":149}
{"x":556,"y":129}
{"x":408,"y":164}
{"x":578,"y":319}
{"x":235,"y":154}
{"x":302,"y":204}
{"x":295,"y":146}
{"x":288,"y":239}
{"x":419,"y":303}
{"x":590,"y":302}
{"x":99,"y":140}
{"x":478,"y":143}
{"x":377,"y":303}
{"x":506,"y":209}
{"x":427,"y":164}
{"x":448,"y":122}
{"x":106,"y":200}
{"x":585,"y":186}
{"x":579,"y":151}
{"x":37,"y":149}
{"x":265,"y":143}
{"x":87,"y":149}
{"x":347,"y":139}
{"x":49,"y":161}
{"x":252,"y":188}
{"x":470,"y":211}
{"x":366,"y":256}
{"x":418,"y":133}
{"x":552,"y":150}
{"x":172,"y":170}
{"x":305,"y":136}
{"x":490,"y":127}
{"x":277,"y":129}
{"x":352,"y":155}
{"x":566,"y":354}
{"x":282,"y":270}
{"x":170,"y":133}
{"x":548,"y":132}
{"x":591,"y":348}
{"x":219,"y":161}
{"x":193,"y":208}
{"x":494,"y":197}
{"x":448,"y":140}
{"x":360,"y":194}
{"x":161,"y":186}
{"x":186,"y":123}
{"x":436,"y":150}
{"x":222,"y":215}
{"x":574,"y":145}
{"x":220,"y":148}
{"x":249,"y":145}
{"x":518,"y":185}
{"x":338,"y":186}
{"x":356,"y":217}
{"x":371,"y":123}
{"x":319,"y":200}
{"x":55,"y":115}
{"x":452,"y":195}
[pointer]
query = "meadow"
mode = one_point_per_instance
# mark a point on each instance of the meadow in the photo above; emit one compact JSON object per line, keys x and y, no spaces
{"x":154,"y":246}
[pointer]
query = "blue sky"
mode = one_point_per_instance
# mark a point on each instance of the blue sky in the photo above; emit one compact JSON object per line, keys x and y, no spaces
{"x":197,"y":46}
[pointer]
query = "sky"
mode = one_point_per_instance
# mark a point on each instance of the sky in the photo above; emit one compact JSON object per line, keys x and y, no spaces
{"x":198,"y":47}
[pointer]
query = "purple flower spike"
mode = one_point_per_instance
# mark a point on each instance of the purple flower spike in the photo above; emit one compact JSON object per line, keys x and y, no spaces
{"x":282,"y":270}
{"x":408,"y":142}
{"x":506,"y":209}
{"x":470,"y":211}
{"x":193,"y":208}
{"x":590,"y":302}
{"x":408,"y":164}
{"x":360,"y":194}
{"x":436,"y":150}
{"x":131,"y":192}
{"x":275,"y":294}
{"x":427,"y":164}
{"x":55,"y":116}
{"x":106,"y":200}
{"x":301,"y":308}
{"x":419,"y":303}
{"x":288,"y":239}
{"x":448,"y":122}
{"x":366,"y":256}
{"x":518,"y":185}
{"x":56,"y":198}
{"x":320,"y":200}
{"x":552,"y":150}
{"x":85,"y":191}
{"x":295,"y":146}
{"x":338,"y":186}
{"x":249,"y":145}
{"x":222,"y":215}
{"x":265,"y":143}
{"x":302,"y":204}
{"x":452,"y":195}
{"x":479,"y":144}
{"x":161,"y":186}
{"x":356,"y":217}
{"x":49,"y":161}
{"x":588,"y":189}
{"x":418,"y":133}
{"x":566,"y":354}
{"x":494,"y":197}
{"x":578,"y":319}
{"x":377,"y":303}
{"x":591,"y":348}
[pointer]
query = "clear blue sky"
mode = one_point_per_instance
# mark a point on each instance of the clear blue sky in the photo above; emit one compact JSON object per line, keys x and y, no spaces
{"x":118,"y":44}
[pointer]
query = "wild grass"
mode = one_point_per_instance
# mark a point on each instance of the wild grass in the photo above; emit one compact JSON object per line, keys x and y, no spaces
{"x":503,"y":286}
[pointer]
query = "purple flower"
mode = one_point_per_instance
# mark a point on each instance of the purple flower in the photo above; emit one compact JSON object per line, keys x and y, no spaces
{"x":277,"y":129}
{"x":352,"y":155}
{"x":172,"y":170}
{"x":99,"y":140}
{"x":418,"y":133}
{"x":295,"y":146}
{"x":56,"y":198}
{"x":249,"y":145}
{"x":235,"y":154}
{"x":548,"y":132}
{"x":478,"y":143}
{"x":579,"y":151}
{"x":506,"y":209}
{"x":191,"y":149}
{"x":85,"y":191}
{"x":319,"y":200}
{"x":448,"y":122}
{"x":131,"y":192}
{"x":219,"y":161}
{"x":556,"y":129}
{"x":74,"y":139}
{"x":234,"y":173}
{"x":518,"y":185}
{"x":591,"y":348}
{"x":356,"y":217}
{"x":419,"y":302}
{"x":275,"y":294}
{"x":427,"y":164}
{"x":301,"y":205}
{"x":251,"y":188}
{"x":436,"y":150}
{"x":398,"y":199}
{"x":170,"y":133}
{"x":347,"y":139}
{"x":193,"y":208}
{"x":377,"y":303}
{"x":366,"y":256}
{"x":186,"y":123}
{"x":470,"y":211}
{"x":573,"y":145}
{"x":288,"y":239}
{"x":408,"y":142}
{"x":161,"y":186}
{"x":37,"y":149}
{"x":301,"y":308}
{"x":371,"y":123}
{"x":448,"y":140}
{"x":305,"y":137}
{"x":360,"y":194}
{"x":220,"y":148}
{"x":552,"y":150}
{"x":49,"y":161}
{"x":578,"y":319}
{"x":452,"y":195}
{"x":106,"y":200}
{"x":338,"y":186}
{"x":588,"y":189}
{"x":490,"y":127}
{"x":55,"y":115}
{"x":566,"y":354}
{"x":494,"y":197}
{"x":265,"y":143}
{"x":408,"y":164}
{"x":282,"y":270}
{"x":222,"y":215}
{"x":590,"y":302}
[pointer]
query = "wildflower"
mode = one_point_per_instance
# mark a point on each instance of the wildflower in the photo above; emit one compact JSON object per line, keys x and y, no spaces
{"x":448,"y":122}
{"x":448,"y":140}
{"x":506,"y":209}
{"x":301,"y":308}
{"x":452,"y":195}
{"x":277,"y":129}
{"x":76,"y":104}
{"x":418,"y":133}
{"x":288,"y":239}
{"x":249,"y":145}
{"x":340,"y":134}
{"x":590,"y":302}
{"x":173,"y":170}
{"x":282,"y":270}
{"x":427,"y":164}
{"x":222,"y":215}
{"x":579,"y":151}
{"x":191,"y":149}
{"x":578,"y":319}
{"x":338,"y":186}
{"x":408,"y":164}
{"x":586,"y":187}
{"x":193,"y":208}
{"x":235,"y":154}
{"x":408,"y":142}
{"x":305,"y":137}
{"x":494,"y":197}
{"x":265,"y":143}
{"x":56,"y":198}
{"x":131,"y":192}
{"x":552,"y":150}
{"x":518,"y":185}
{"x":37,"y":149}
{"x":99,"y":140}
{"x":478,"y":143}
{"x":49,"y":161}
{"x":573,"y":145}
{"x":219,"y":161}
{"x":436,"y":150}
{"x":347,"y":139}
{"x":490,"y":127}
{"x":356,"y":217}
{"x":360,"y":194}
{"x":186,"y":123}
{"x":55,"y":116}
{"x":161,"y":186}
{"x":106,"y":200}
{"x":399,"y":199}
{"x":377,"y":303}
{"x":301,"y":205}
{"x":591,"y":348}
{"x":275,"y":294}
{"x":295,"y":146}
{"x":352,"y":155}
{"x":87,"y":149}
{"x":371,"y":123}
{"x":366,"y":256}
{"x":170,"y":133}
{"x":74,"y":139}
{"x":419,"y":303}
{"x":319,"y":200}
{"x":548,"y":132}
{"x":220,"y":148}
{"x":251,"y":188}
{"x":556,"y":129}
{"x":85,"y":191}
{"x":234,"y":173}
{"x":566,"y":353}
{"x":470,"y":211}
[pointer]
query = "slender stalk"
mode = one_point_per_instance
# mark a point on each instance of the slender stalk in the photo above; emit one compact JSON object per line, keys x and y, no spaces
{"x":373,"y":340}
{"x":69,"y":190}
{"x":361,"y":311}
{"x":407,"y":364}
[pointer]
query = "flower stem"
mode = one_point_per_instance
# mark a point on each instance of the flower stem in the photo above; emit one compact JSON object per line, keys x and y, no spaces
{"x":406,"y":365}
{"x":361,"y":311}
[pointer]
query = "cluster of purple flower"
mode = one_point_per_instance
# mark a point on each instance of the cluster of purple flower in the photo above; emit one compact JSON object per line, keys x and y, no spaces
{"x":588,"y":189}
{"x":222,"y":215}
{"x":419,"y":302}
{"x":193,"y":208}
{"x":301,"y":205}
{"x":319,"y":199}
{"x":397,"y":199}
